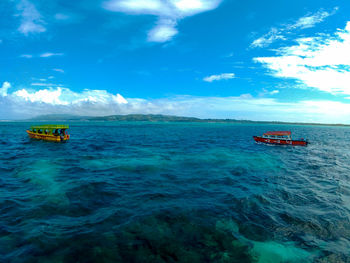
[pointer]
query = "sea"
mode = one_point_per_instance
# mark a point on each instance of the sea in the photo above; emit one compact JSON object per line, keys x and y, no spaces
{"x":174,"y":192}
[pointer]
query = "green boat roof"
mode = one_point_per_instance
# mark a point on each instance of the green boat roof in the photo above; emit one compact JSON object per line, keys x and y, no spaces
{"x":50,"y":126}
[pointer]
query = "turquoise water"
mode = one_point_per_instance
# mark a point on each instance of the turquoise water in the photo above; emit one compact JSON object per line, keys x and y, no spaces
{"x":174,"y":192}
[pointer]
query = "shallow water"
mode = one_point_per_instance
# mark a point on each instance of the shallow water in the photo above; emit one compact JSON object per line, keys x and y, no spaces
{"x":174,"y":192}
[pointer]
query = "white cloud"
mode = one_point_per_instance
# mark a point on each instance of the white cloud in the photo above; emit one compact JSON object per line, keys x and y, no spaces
{"x":245,"y":107}
{"x":163,"y":32}
{"x":49,"y":54}
{"x":120,"y":99}
{"x":64,"y":96}
{"x":304,"y":22}
{"x":31,"y":19}
{"x":219,"y":77}
{"x":311,"y":20}
{"x":3,"y":90}
{"x":39,"y":84}
{"x":42,"y":55}
{"x":26,"y":103}
{"x":317,"y":62}
{"x":273,"y":35}
{"x":266,"y":92}
{"x":26,"y":56}
{"x":169,"y":12}
{"x":45,"y":95}
{"x":58,"y":70}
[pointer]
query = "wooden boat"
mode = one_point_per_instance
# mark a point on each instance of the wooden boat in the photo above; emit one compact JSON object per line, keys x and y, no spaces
{"x":55,"y":133}
{"x":279,"y":138}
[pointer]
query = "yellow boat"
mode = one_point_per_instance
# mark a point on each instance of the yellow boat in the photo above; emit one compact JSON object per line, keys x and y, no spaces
{"x":55,"y":133}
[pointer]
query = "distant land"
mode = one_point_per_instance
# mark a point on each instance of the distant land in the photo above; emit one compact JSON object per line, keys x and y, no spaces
{"x":161,"y":118}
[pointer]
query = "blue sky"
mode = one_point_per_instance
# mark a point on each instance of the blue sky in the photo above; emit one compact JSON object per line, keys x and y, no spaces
{"x":258,"y":60}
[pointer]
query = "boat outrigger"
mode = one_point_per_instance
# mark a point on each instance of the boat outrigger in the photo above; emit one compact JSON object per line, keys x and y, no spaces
{"x":280,"y":138}
{"x":56,"y":133}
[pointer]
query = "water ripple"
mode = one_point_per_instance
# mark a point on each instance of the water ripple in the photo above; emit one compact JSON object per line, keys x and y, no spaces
{"x":158,"y":192}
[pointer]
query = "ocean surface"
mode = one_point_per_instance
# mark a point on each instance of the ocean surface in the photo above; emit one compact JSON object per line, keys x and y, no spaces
{"x":174,"y":192}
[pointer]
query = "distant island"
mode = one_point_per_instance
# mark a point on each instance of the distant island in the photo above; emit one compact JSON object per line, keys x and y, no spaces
{"x":162,"y":118}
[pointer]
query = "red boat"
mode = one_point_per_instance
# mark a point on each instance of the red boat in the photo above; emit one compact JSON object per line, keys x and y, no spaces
{"x":279,"y":138}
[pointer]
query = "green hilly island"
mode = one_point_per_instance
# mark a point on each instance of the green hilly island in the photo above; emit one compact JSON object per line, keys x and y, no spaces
{"x":161,"y":118}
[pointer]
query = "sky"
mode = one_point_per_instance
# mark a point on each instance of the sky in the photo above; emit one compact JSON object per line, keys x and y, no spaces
{"x":258,"y":60}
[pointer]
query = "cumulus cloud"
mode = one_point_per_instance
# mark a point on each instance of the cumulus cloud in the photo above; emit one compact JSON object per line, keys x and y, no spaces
{"x":219,"y":77}
{"x":45,"y":96}
{"x":31,"y":19}
{"x":64,"y":96}
{"x":279,"y":33}
{"x":169,"y":12}
{"x":316,"y":62}
{"x":26,"y":103}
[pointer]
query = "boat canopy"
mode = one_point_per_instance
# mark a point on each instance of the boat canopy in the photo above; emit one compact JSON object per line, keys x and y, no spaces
{"x":278,"y":133}
{"x":50,"y":127}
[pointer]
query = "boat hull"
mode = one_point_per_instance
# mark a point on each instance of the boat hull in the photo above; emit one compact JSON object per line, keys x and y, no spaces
{"x":280,"y":142}
{"x":47,"y":137}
